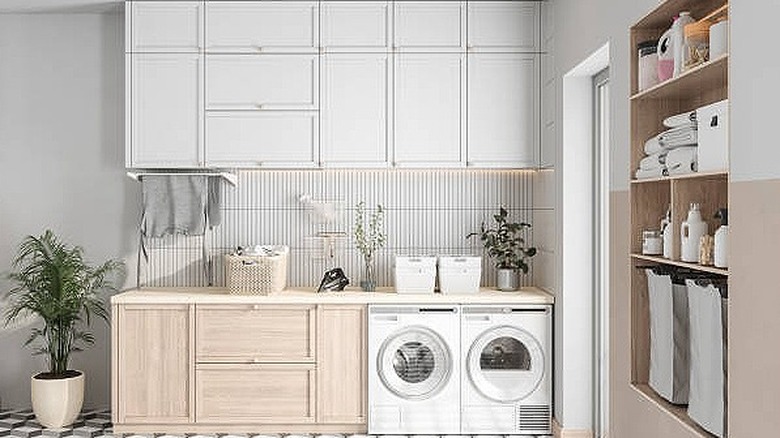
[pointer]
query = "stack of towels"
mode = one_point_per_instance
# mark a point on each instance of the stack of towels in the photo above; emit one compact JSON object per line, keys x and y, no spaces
{"x":672,"y":152}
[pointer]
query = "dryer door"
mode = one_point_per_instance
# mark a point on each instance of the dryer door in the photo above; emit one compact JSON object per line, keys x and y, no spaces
{"x":505,"y":364}
{"x":414,"y":363}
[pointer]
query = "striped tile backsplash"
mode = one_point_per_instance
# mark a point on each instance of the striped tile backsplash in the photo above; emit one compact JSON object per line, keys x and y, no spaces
{"x":427,"y":212}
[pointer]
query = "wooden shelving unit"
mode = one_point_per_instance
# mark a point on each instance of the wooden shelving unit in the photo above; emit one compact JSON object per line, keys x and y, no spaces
{"x":650,"y":198}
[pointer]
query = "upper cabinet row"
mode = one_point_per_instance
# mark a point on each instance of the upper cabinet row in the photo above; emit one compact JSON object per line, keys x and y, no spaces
{"x":333,"y":83}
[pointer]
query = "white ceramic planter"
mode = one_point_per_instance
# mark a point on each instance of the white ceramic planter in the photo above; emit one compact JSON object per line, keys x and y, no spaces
{"x":508,"y":280}
{"x":57,"y":402}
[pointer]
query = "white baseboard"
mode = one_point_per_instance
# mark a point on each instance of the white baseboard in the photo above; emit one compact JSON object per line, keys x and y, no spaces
{"x":560,"y":432}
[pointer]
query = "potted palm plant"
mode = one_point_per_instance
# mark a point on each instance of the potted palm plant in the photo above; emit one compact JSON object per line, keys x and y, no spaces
{"x":53,"y":282}
{"x":506,"y":245}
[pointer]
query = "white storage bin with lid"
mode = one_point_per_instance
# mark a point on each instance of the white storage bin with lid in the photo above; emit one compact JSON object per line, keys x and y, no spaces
{"x":459,"y":275}
{"x":713,"y":131}
{"x":415,"y":275}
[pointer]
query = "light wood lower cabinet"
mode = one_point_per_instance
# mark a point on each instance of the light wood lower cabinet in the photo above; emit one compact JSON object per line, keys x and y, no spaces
{"x":153,"y":359}
{"x":341,"y":364}
{"x":239,"y":368}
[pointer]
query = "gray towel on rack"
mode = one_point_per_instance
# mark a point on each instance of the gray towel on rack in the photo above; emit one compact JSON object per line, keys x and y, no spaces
{"x":174,"y":204}
{"x":214,"y":204}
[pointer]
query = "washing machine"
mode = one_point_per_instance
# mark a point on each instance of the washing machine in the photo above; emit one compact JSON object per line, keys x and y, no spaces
{"x":507,"y":369}
{"x":414,"y":369}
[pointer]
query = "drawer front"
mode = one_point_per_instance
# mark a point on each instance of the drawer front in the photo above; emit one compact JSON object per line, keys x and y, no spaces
{"x":268,"y":393}
{"x":239,"y":82}
{"x":164,"y":26}
{"x":250,"y":334}
{"x":262,"y":26}
{"x":252,"y":139}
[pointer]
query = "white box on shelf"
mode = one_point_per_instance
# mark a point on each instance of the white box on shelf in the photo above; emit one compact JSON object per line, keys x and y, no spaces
{"x":415,"y":275}
{"x":713,"y":127}
{"x":459,"y":275}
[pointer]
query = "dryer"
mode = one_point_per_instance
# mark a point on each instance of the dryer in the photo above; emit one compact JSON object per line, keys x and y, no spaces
{"x":414,"y":369}
{"x":507,"y":369}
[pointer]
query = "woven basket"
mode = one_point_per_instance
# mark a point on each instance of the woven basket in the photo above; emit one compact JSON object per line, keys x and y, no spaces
{"x":256,"y":275}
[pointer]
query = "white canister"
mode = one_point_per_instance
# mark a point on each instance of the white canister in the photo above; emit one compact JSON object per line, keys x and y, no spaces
{"x":652,"y":244}
{"x":719,"y":39}
{"x":648,"y":64}
{"x":691,"y":232}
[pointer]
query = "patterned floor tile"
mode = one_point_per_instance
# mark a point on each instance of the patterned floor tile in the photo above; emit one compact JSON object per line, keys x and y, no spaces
{"x":99,"y":423}
{"x":5,"y":432}
{"x":87,"y":432}
{"x":26,"y":432}
{"x":11,"y":422}
{"x":57,"y":433}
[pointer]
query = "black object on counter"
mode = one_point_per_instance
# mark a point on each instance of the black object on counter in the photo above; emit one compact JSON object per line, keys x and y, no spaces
{"x":333,"y":280}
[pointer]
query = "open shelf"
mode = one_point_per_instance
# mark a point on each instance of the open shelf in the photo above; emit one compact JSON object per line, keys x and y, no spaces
{"x":687,"y":176}
{"x":692,"y":266}
{"x":679,"y":412}
{"x":710,"y":75}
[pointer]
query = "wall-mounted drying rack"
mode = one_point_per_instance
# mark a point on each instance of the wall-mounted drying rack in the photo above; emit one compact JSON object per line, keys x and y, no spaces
{"x":231,"y":178}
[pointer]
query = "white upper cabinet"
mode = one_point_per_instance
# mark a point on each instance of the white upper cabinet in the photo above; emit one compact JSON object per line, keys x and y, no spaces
{"x":272,"y":139}
{"x":429,"y":26}
{"x":503,"y":110}
{"x":504,"y":26}
{"x":355,"y":26}
{"x":262,"y":26}
{"x":164,"y":26}
{"x":249,"y":82}
{"x":429,"y":108}
{"x":165,"y":110}
{"x":355,"y":107}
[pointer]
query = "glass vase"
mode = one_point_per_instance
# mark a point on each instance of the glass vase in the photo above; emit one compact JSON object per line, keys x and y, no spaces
{"x":368,"y":282}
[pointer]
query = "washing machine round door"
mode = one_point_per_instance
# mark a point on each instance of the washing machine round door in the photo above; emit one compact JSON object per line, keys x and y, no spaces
{"x":505,"y":364}
{"x":414,"y":363}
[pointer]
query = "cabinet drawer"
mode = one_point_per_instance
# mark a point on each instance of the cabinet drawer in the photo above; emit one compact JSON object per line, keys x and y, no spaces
{"x":255,"y":334}
{"x":430,"y":26}
{"x":268,"y":393}
{"x":262,"y":138}
{"x":355,"y":26}
{"x":240,"y":82}
{"x":262,"y":26}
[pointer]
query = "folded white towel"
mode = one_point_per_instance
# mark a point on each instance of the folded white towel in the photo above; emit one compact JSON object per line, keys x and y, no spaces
{"x":677,"y":137}
{"x":653,"y":146}
{"x":653,"y":161}
{"x":684,"y":119}
{"x":653,"y":173}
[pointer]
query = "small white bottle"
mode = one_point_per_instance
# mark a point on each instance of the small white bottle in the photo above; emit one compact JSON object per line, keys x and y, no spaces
{"x":678,"y":40}
{"x":666,"y":234}
{"x":690,"y":234}
{"x":722,"y":239}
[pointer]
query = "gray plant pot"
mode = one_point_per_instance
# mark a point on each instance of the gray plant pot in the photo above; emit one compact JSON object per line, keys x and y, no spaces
{"x":508,"y":280}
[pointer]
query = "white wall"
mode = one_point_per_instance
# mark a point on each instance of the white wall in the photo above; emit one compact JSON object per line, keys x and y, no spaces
{"x":61,"y":163}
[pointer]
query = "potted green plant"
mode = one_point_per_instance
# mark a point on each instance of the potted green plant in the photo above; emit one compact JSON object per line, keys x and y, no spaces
{"x":506,"y":245}
{"x":369,"y":237}
{"x":53,"y":282}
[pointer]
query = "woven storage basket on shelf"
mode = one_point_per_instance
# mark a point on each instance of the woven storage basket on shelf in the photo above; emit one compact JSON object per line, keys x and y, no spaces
{"x":256,"y":275}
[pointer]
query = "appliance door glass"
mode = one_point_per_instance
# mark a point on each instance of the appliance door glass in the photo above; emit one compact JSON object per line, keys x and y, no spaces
{"x":505,"y":364}
{"x":414,"y":363}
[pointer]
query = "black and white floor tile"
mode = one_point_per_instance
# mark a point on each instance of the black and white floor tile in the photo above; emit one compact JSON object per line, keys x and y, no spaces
{"x":96,"y":423}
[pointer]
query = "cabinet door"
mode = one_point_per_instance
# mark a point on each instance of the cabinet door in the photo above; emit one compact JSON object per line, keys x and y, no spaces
{"x":355,"y":108}
{"x":342,"y":375}
{"x":262,"y":26}
{"x":429,"y":26}
{"x":278,"y":82}
{"x":503,"y":110}
{"x":504,"y":26}
{"x":429,"y":109}
{"x":165,"y":110}
{"x":252,"y":394}
{"x":164,"y":26}
{"x":262,"y":138}
{"x":153,"y":364}
{"x":355,"y":26}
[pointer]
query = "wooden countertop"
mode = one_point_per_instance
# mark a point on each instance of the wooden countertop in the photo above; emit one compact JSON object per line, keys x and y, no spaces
{"x":150,"y":295}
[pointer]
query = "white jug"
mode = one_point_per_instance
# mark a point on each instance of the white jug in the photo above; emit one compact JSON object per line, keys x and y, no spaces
{"x":690,"y":234}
